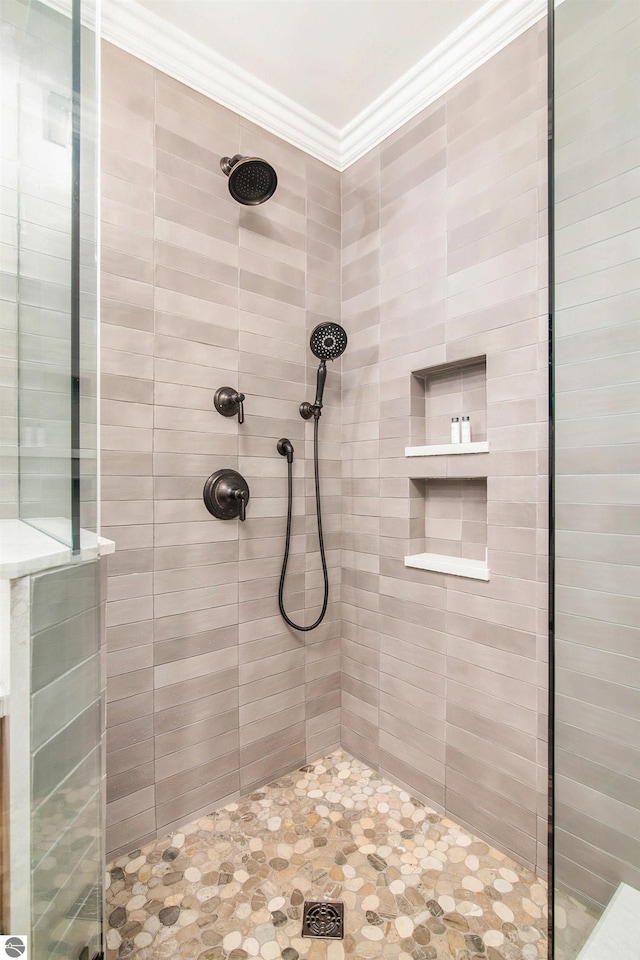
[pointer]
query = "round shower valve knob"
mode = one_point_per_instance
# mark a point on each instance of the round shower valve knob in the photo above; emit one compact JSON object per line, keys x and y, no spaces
{"x":226,"y":495}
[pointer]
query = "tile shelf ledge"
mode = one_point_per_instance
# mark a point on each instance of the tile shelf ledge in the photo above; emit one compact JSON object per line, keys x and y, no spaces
{"x":457,"y":566}
{"x":25,"y":550}
{"x":447,"y":449}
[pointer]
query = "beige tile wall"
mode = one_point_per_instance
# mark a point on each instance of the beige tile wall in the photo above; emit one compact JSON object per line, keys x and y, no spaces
{"x":444,"y":259}
{"x":209,"y":693}
{"x":437,"y":680}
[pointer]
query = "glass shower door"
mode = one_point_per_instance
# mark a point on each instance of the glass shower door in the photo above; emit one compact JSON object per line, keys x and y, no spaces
{"x":597,"y":483}
{"x":51,"y":620}
{"x":56,"y":136}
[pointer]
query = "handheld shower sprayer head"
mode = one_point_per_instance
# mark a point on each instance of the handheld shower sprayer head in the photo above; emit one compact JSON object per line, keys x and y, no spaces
{"x":328,"y":342}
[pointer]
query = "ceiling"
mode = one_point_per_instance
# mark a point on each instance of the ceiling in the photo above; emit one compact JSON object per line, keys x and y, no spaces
{"x":331,"y":76}
{"x":333,"y":57}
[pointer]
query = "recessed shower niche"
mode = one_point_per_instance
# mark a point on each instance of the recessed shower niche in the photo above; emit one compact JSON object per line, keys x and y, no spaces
{"x":448,"y":526}
{"x":457,"y":389}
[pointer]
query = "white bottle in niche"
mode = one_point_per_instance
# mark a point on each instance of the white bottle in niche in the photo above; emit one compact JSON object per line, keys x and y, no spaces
{"x":455,"y":430}
{"x":465,"y":430}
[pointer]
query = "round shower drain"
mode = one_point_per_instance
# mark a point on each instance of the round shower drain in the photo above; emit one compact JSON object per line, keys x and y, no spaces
{"x":323,"y":918}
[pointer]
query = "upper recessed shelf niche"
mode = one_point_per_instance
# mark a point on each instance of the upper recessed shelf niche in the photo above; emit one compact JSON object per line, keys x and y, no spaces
{"x":439,"y":393}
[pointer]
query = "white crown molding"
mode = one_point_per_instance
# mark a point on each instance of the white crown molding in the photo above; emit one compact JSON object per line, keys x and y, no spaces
{"x":149,"y":37}
{"x":478,"y":39}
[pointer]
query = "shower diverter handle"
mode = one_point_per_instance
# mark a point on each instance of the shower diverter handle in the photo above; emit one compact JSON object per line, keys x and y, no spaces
{"x":226,"y":495}
{"x":241,"y":497}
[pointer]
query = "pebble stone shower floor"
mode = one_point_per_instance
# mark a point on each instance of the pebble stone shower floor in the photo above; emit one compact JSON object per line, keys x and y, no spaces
{"x":415,"y":886}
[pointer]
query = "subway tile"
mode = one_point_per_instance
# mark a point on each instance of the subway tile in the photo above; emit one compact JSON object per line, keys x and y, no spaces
{"x":61,"y":701}
{"x":498,"y":732}
{"x":129,"y":708}
{"x":195,"y":733}
{"x":130,"y":781}
{"x":190,"y":266}
{"x":323,"y":722}
{"x":603,"y":809}
{"x":358,"y":746}
{"x":253,"y":731}
{"x":129,"y":757}
{"x":519,"y":845}
{"x":289,"y":736}
{"x":189,"y":194}
{"x":183,"y":647}
{"x":185,"y":691}
{"x":326,"y":703}
{"x":187,"y":780}
{"x":499,"y":804}
{"x":131,"y":686}
{"x":520,"y":718}
{"x":192,"y":712}
{"x":125,"y":734}
{"x":130,"y":806}
{"x":188,"y":669}
{"x":218,"y":290}
{"x":205,"y":796}
{"x":128,"y":660}
{"x":183,"y":99}
{"x":193,"y":218}
{"x":267,"y":706}
{"x":423,"y":740}
{"x":366,"y":730}
{"x":129,"y":611}
{"x":492,"y":755}
{"x":128,"y":834}
{"x":288,"y":758}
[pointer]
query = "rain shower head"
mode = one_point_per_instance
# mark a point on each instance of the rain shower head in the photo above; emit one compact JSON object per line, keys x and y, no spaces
{"x":328,"y":341}
{"x":251,"y":180}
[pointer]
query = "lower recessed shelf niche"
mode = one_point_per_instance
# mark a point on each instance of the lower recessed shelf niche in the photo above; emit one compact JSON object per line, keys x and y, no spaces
{"x":449,"y":527}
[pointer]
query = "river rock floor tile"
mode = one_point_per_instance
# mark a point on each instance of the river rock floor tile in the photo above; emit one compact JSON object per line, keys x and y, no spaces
{"x":415,"y":886}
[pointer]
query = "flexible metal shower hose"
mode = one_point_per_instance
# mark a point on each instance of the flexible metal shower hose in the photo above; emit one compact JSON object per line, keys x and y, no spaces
{"x":286,"y":618}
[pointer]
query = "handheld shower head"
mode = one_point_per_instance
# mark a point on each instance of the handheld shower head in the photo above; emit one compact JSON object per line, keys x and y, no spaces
{"x":328,"y":341}
{"x":251,"y":180}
